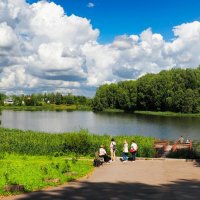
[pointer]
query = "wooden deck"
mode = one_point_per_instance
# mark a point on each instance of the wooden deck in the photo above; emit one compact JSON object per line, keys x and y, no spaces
{"x":163,"y":147}
{"x":178,"y":146}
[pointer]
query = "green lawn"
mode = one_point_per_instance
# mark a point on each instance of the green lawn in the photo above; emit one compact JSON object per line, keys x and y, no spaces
{"x":36,"y":172}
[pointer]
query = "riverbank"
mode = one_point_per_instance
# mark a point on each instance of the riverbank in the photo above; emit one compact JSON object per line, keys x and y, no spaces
{"x":54,"y":107}
{"x":37,"y":160}
{"x":51,"y":107}
{"x":167,"y":114}
{"x":155,"y":113}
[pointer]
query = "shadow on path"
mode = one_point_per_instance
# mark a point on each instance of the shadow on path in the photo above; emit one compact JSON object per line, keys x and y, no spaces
{"x":197,"y":163}
{"x":182,"y":189}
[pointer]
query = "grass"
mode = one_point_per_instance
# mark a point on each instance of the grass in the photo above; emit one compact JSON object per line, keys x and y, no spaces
{"x":170,"y":114}
{"x":113,"y":110}
{"x":35,"y":159}
{"x":36,"y":172}
{"x":47,"y":107}
{"x":82,"y":143}
{"x":157,"y":113}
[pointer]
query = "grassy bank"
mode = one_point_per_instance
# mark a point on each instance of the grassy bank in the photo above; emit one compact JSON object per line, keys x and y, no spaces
{"x":113,"y":110}
{"x":36,"y":172}
{"x":37,"y":160}
{"x":80,"y":143}
{"x":54,"y":107}
{"x":156,"y":113}
{"x":169,"y":114}
{"x":51,"y":107}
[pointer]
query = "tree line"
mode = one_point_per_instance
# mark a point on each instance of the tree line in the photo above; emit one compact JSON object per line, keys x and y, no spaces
{"x":46,"y":98}
{"x":176,"y":90}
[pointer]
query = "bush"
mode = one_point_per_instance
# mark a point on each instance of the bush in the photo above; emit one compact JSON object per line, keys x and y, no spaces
{"x":194,"y":153}
{"x":184,"y":153}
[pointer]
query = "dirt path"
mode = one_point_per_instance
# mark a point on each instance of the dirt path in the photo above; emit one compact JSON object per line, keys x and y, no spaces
{"x":143,"y":179}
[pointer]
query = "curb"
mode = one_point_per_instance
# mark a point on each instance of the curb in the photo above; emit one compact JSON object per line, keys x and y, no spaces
{"x":166,"y":159}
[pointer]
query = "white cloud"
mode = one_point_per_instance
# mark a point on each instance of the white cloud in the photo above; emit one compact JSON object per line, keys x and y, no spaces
{"x":15,"y":77}
{"x":7,"y":36}
{"x":49,"y":23}
{"x":43,"y":49}
{"x":90,"y":5}
{"x":100,"y":60}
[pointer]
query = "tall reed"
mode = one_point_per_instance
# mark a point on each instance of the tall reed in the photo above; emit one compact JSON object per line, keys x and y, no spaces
{"x":82,"y":143}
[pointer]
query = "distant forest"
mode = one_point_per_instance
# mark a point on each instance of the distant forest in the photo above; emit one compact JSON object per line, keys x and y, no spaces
{"x":176,"y":90}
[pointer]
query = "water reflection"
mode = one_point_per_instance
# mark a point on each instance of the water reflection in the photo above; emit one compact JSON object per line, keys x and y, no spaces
{"x":103,"y":123}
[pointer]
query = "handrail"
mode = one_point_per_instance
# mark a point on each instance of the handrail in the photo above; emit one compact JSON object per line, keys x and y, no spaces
{"x":186,"y":145}
{"x":174,"y":146}
{"x":190,"y":144}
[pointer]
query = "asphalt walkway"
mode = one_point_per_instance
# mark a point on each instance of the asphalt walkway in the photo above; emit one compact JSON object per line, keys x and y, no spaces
{"x":141,"y":180}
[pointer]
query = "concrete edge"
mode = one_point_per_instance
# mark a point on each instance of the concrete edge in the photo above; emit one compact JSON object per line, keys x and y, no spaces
{"x":169,"y":159}
{"x":166,"y":159}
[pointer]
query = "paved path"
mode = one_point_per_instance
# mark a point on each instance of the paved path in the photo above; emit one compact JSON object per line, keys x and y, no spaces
{"x":140,"y":180}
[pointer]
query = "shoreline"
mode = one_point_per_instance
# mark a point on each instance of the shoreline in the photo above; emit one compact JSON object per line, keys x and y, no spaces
{"x":167,"y":114}
{"x":51,"y":107}
{"x":54,"y":107}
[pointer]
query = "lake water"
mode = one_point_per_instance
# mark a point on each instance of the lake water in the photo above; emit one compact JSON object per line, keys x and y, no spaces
{"x":103,"y":123}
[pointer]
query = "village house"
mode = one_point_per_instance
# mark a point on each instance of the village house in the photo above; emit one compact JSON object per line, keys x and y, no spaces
{"x":8,"y":101}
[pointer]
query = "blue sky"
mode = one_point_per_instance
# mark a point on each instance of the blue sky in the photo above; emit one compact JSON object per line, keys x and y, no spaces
{"x":117,"y":17}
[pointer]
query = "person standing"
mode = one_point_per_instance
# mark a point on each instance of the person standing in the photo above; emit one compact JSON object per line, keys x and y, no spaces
{"x":133,"y":150}
{"x":125,"y":151}
{"x":112,"y":149}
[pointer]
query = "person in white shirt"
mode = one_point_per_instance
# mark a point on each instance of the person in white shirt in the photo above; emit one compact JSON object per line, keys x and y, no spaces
{"x":112,"y":149}
{"x":181,"y":139}
{"x":102,"y":153}
{"x":125,"y":151}
{"x":133,"y":150}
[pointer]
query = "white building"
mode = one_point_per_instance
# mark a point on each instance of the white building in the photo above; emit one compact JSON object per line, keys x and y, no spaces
{"x":8,"y":101}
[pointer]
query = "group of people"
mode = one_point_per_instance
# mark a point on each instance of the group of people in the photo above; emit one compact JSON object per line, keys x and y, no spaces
{"x":181,"y":140}
{"x":133,"y":150}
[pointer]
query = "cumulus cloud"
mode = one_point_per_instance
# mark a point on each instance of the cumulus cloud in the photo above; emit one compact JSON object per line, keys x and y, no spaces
{"x":7,"y":36}
{"x":43,"y":49}
{"x":90,"y":5}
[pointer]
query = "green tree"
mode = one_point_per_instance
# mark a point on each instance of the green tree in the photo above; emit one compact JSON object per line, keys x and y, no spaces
{"x":69,"y":99}
{"x":2,"y":98}
{"x":127,"y":95}
{"x":58,"y":98}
